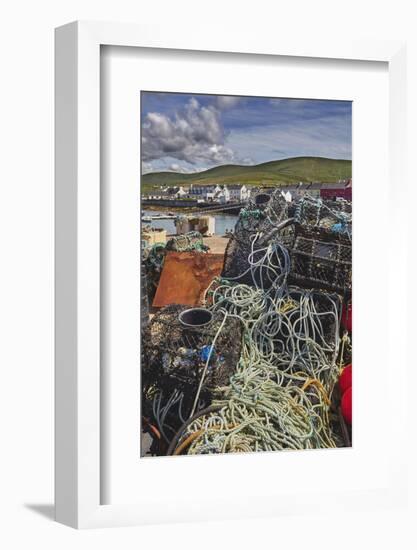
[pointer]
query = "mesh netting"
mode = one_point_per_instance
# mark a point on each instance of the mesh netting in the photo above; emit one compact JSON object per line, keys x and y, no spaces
{"x":257,"y":225}
{"x":301,"y":333}
{"x":325,"y":311}
{"x":329,"y":216}
{"x":321,"y":260}
{"x":193,"y":240}
{"x":291,"y":331}
{"x":174,"y":354}
{"x":144,"y":299}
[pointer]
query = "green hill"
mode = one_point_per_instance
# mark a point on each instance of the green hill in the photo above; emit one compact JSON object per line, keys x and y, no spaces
{"x":276,"y":172}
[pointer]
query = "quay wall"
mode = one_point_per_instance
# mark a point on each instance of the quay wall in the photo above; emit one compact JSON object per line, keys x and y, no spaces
{"x":173,"y":203}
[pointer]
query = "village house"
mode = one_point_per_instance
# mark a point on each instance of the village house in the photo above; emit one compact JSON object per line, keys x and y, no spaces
{"x":222,"y":194}
{"x":239,"y":193}
{"x":210,"y":193}
{"x":201,"y":191}
{"x":181,"y":192}
{"x":219,"y":194}
{"x":340,"y":190}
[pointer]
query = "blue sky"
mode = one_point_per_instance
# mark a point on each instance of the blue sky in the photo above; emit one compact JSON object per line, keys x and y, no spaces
{"x":193,"y":132}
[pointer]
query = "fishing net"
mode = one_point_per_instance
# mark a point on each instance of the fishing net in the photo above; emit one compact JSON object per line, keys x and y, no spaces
{"x":176,"y":347}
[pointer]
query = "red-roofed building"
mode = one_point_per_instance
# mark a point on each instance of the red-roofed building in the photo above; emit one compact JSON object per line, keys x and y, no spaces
{"x":342,"y":190}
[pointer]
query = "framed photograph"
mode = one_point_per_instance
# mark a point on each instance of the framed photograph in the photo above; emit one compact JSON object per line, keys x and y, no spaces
{"x":224,"y":214}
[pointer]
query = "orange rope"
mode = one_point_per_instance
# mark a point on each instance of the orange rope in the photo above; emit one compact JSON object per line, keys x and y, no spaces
{"x":153,"y":428}
{"x":187,"y":442}
{"x":315,"y":382}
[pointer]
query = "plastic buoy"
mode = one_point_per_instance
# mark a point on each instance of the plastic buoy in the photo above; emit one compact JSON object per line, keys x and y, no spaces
{"x":207,"y":352}
{"x":346,"y":405}
{"x":347,"y":317}
{"x":345,"y":380}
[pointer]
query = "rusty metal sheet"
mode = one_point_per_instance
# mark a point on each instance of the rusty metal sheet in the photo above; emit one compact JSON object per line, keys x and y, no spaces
{"x":185,"y":277}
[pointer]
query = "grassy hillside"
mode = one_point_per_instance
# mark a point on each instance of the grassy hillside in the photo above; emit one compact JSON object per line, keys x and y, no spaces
{"x":275,"y":172}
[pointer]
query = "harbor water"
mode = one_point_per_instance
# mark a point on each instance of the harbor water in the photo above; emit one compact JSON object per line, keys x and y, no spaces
{"x":224,"y":222}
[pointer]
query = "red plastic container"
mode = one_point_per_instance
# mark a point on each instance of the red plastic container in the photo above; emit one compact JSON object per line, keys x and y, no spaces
{"x":346,"y":406}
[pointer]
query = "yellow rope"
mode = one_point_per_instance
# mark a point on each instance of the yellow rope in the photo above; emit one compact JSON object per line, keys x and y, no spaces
{"x":315,"y":382}
{"x":288,"y":305}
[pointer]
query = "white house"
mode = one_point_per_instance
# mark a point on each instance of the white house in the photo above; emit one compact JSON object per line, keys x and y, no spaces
{"x":219,"y":193}
{"x":222,"y":194}
{"x":181,"y":192}
{"x":238,"y":193}
{"x":201,"y":191}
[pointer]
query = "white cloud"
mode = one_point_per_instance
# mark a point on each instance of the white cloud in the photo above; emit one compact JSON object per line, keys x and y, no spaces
{"x":146,"y":167}
{"x":174,"y":167}
{"x":247,"y":161}
{"x":224,"y":102}
{"x":194,"y":135}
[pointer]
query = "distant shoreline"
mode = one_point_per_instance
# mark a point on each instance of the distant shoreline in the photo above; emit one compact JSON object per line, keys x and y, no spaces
{"x":156,"y":208}
{"x":189,"y":210}
{"x":273,"y":173}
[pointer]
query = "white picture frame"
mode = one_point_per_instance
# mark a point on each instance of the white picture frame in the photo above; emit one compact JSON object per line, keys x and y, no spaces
{"x":78,"y":404}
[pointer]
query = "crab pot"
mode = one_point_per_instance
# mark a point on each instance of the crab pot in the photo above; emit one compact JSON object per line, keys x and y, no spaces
{"x":144,"y":309}
{"x":261,"y":215}
{"x":324,"y":215}
{"x":314,"y":316}
{"x":178,"y":343}
{"x":144,"y":298}
{"x":327,"y":308}
{"x":320,"y":262}
{"x":193,"y":240}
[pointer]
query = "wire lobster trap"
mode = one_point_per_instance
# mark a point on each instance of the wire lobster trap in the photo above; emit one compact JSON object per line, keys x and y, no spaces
{"x":334,"y":217}
{"x":187,"y":242}
{"x":320,"y":260}
{"x":300,"y":330}
{"x":325,"y":310}
{"x":263,"y":221}
{"x":177,"y":349}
